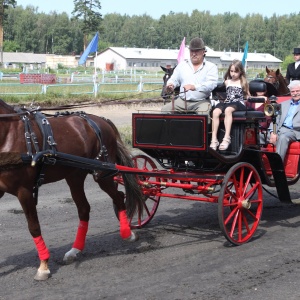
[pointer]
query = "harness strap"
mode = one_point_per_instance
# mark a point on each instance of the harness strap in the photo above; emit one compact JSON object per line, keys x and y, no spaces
{"x":30,"y":136}
{"x":48,"y":144}
{"x":45,"y":127}
{"x":97,"y":130}
{"x":103,"y":151}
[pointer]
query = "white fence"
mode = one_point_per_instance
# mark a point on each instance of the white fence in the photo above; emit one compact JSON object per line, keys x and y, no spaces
{"x":94,"y":88}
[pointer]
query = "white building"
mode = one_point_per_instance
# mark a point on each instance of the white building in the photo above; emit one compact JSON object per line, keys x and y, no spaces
{"x":21,"y":59}
{"x":124,"y":58}
{"x":38,"y":61}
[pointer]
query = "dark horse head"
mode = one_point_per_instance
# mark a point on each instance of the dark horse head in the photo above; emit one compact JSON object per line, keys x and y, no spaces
{"x":168,"y":74}
{"x":278,"y":81}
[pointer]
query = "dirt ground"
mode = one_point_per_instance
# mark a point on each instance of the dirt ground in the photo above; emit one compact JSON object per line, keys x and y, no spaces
{"x":181,"y":254}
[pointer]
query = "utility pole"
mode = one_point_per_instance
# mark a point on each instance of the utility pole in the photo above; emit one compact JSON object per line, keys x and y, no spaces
{"x":1,"y":29}
{"x":239,"y":37}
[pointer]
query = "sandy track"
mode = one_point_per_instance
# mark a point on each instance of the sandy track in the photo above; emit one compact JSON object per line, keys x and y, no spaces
{"x":120,"y":115}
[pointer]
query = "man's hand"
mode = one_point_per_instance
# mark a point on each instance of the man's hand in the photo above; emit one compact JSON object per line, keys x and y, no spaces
{"x":170,"y":87}
{"x":189,"y":87}
{"x":273,"y":138}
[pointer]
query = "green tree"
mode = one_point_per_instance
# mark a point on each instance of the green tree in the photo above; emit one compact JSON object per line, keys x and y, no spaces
{"x":11,"y":46}
{"x":288,"y":60}
{"x":25,"y":33}
{"x":111,"y":29}
{"x":28,"y":30}
{"x":4,"y":4}
{"x":61,"y":34}
{"x":88,"y":12}
{"x":138,"y":31}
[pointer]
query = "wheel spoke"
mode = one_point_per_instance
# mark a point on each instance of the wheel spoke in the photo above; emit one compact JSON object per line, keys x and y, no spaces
{"x":236,"y":186}
{"x":250,"y":213}
{"x":246,"y":223}
{"x":247,"y":183}
{"x":234,"y":223}
{"x":230,"y":216}
{"x":251,"y":191}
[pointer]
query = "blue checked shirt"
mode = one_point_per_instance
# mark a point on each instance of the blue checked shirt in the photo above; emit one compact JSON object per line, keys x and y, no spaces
{"x":288,"y":122}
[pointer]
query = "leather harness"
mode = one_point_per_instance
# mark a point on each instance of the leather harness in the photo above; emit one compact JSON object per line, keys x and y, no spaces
{"x":49,"y":142}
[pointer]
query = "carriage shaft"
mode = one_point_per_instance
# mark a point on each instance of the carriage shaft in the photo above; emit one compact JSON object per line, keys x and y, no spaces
{"x":186,"y":186}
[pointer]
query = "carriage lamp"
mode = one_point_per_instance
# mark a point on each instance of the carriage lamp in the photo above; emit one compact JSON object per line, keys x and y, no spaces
{"x":272,"y":109}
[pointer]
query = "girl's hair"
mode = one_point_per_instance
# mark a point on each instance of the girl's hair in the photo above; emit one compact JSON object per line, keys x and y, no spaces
{"x":239,"y":68}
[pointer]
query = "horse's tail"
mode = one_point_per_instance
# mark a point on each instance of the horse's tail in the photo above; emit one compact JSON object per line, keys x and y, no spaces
{"x":134,"y":195}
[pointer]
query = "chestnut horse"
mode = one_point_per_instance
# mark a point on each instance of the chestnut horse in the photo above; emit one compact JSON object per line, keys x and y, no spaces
{"x":73,"y":135}
{"x":276,"y":78}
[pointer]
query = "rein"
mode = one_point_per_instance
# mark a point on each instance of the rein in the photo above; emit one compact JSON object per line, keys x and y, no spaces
{"x":172,"y":93}
{"x":17,"y":114}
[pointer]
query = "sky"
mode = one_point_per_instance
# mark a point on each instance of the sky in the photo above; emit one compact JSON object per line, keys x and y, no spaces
{"x":156,"y":8}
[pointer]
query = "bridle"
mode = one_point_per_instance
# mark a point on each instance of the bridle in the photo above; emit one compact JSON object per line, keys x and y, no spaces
{"x":273,"y":80}
{"x":164,"y":94}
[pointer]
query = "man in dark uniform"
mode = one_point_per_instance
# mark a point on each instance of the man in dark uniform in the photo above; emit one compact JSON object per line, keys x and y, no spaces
{"x":293,"y":69}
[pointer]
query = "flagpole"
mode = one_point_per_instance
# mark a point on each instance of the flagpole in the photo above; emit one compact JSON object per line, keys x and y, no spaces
{"x":96,"y":55}
{"x":95,"y":67}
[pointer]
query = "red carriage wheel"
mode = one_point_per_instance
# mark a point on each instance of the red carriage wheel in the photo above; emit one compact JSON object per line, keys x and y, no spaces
{"x":151,"y":200}
{"x":151,"y":203}
{"x":240,"y":203}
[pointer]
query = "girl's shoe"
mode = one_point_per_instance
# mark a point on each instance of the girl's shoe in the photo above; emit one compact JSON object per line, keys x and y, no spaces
{"x":225,"y":144}
{"x":214,"y":144}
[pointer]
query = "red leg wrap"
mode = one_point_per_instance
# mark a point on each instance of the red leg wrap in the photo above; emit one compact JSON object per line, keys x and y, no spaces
{"x":81,"y":235}
{"x":125,"y":230}
{"x":43,"y":252}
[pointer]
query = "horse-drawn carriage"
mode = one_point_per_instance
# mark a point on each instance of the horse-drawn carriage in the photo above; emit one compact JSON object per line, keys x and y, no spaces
{"x":175,"y":162}
{"x":178,"y":163}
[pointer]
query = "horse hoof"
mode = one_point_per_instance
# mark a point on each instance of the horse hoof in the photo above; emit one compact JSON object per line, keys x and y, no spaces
{"x":71,"y":256}
{"x":133,"y":237}
{"x":42,"y":275}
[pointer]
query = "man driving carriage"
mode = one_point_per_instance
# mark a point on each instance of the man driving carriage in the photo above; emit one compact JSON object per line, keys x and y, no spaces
{"x":196,"y":78}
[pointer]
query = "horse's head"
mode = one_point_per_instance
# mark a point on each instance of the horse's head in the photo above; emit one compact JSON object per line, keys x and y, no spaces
{"x":167,"y":75}
{"x":272,"y":77}
{"x":277,"y":80}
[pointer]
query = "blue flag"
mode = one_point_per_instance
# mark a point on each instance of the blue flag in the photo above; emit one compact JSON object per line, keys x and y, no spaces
{"x":92,"y":47}
{"x":245,"y":54}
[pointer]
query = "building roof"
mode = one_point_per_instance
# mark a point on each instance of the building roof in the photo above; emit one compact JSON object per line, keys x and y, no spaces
{"x":22,"y":57}
{"x":149,"y":53}
{"x":259,"y":57}
{"x":145,"y":53}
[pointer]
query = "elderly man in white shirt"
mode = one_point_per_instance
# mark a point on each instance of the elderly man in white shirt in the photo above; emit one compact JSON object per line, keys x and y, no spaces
{"x":196,"y":78}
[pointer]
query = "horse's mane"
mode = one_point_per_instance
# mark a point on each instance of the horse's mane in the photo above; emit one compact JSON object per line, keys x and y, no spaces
{"x":280,"y":77}
{"x":4,"y":107}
